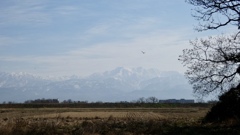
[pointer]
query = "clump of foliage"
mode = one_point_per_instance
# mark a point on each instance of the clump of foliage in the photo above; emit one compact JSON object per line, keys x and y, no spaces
{"x":228,"y":107}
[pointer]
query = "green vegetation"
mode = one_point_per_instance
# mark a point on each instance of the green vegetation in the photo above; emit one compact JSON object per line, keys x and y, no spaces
{"x":228,"y":107}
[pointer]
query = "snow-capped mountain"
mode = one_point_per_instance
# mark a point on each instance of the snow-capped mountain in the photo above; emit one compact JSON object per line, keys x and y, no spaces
{"x":120,"y":84}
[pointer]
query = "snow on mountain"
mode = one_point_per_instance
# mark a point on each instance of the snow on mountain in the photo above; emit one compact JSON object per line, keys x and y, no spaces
{"x":127,"y":77}
{"x":127,"y":73}
{"x":115,"y":85}
{"x":18,"y":80}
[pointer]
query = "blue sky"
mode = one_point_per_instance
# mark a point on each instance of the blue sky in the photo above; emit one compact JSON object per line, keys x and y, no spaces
{"x":80,"y":37}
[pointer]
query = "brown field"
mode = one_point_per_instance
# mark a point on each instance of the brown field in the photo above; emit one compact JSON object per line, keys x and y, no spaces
{"x":104,"y":121}
{"x":103,"y":113}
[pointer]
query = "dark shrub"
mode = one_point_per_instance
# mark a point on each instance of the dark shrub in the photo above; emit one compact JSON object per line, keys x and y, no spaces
{"x":227,"y":108}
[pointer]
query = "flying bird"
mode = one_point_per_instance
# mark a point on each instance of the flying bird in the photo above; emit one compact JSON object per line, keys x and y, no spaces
{"x":143,"y":52}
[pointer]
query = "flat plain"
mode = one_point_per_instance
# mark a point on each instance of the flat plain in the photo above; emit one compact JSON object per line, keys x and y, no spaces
{"x":103,"y":113}
{"x":125,"y":121}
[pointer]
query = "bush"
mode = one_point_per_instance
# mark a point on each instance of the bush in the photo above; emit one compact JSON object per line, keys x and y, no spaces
{"x":227,"y":108}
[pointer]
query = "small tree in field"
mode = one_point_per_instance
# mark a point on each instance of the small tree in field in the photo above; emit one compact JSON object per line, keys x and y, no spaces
{"x":152,"y":100}
{"x":141,"y":100}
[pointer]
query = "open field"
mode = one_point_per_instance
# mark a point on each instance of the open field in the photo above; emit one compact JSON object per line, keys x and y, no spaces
{"x":127,"y":121}
{"x":148,"y":113}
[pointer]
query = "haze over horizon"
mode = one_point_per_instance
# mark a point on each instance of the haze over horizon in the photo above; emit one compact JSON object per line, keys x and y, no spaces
{"x":83,"y":37}
{"x":120,"y":84}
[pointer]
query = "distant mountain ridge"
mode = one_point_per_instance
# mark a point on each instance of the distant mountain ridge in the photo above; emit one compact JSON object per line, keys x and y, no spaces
{"x":120,"y":84}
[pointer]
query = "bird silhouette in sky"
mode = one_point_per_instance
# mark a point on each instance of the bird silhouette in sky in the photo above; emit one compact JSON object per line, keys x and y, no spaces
{"x":143,"y":52}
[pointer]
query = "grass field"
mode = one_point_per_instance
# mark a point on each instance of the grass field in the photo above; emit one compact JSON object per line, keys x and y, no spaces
{"x":125,"y":121}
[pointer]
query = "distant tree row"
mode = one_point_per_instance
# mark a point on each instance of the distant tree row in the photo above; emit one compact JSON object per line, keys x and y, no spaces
{"x":147,"y":100}
{"x":70,"y":101}
{"x":42,"y":101}
{"x":156,"y":100}
{"x":53,"y":101}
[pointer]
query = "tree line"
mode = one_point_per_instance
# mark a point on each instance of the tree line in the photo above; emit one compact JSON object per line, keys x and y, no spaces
{"x":151,"y":99}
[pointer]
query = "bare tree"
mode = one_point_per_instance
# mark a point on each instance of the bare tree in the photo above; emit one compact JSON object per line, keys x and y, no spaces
{"x":141,"y":100}
{"x":213,"y":14}
{"x":152,"y":100}
{"x":213,"y":64}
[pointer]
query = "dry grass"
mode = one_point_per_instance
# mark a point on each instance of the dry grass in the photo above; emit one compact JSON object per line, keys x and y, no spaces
{"x":123,"y":121}
{"x":104,"y":113}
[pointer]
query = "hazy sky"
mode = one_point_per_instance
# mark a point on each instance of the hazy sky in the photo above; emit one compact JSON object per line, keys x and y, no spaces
{"x":66,"y":37}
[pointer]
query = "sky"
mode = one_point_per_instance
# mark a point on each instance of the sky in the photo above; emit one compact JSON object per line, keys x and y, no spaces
{"x":81,"y":37}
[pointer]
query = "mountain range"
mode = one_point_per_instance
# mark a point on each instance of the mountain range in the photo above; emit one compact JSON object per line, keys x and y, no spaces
{"x":120,"y":84}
